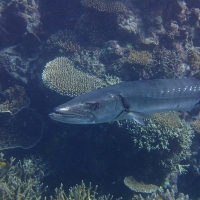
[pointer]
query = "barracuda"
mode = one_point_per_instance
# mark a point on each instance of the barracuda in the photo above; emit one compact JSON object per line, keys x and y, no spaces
{"x":131,"y":100}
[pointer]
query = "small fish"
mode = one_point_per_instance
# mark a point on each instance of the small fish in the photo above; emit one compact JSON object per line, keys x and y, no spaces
{"x":131,"y":100}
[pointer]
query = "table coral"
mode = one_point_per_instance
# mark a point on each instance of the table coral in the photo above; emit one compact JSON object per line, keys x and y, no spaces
{"x":135,"y":186}
{"x":61,"y":76}
{"x":104,"y":6}
{"x":140,"y":57}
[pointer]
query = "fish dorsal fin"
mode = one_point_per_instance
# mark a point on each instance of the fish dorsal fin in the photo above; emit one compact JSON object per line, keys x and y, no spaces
{"x":137,"y":116}
{"x":197,"y":75}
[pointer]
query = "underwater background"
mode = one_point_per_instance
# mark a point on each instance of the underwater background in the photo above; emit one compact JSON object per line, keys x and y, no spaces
{"x":52,"y":51}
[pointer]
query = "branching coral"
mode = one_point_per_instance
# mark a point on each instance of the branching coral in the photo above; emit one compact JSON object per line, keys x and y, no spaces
{"x":80,"y":192}
{"x":140,"y":57}
{"x":162,"y":133}
{"x":104,"y":6}
{"x":63,"y":41}
{"x":112,"y":80}
{"x":61,"y":76}
{"x":23,"y":180}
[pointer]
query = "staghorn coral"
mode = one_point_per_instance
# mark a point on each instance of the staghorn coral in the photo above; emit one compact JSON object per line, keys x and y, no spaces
{"x":104,"y":6}
{"x":23,"y":179}
{"x":194,"y":59}
{"x":63,"y":41}
{"x":61,"y":76}
{"x":80,"y":192}
{"x":139,"y":57}
{"x":135,"y":186}
{"x":15,"y":100}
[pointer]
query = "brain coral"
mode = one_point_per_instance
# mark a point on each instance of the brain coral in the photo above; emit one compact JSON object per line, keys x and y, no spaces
{"x":104,"y":6}
{"x":61,"y":76}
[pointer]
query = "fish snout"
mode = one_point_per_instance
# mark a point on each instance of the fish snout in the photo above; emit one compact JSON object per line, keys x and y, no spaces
{"x":73,"y":116}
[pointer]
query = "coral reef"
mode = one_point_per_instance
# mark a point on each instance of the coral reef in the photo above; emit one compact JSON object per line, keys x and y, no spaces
{"x":135,"y":186}
{"x":15,"y":100}
{"x":196,"y":125}
{"x":16,"y":60}
{"x":112,"y":80}
{"x":158,"y":38}
{"x":140,"y":57}
{"x":162,"y":194}
{"x":168,"y":119}
{"x":171,"y":63}
{"x":89,"y":61}
{"x":194,"y":59}
{"x":157,"y":132}
{"x":63,"y":41}
{"x":61,"y":76}
{"x":23,"y":179}
{"x":104,"y":6}
{"x":167,"y":132}
{"x":26,"y":13}
{"x":80,"y":192}
{"x":154,"y":192}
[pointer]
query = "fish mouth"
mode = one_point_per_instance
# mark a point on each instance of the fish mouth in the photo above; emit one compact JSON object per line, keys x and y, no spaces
{"x":73,"y":117}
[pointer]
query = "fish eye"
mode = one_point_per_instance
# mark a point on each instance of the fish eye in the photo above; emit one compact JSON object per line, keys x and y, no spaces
{"x":93,"y":106}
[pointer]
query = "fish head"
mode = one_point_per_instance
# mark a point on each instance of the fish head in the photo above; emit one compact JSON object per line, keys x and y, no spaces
{"x":90,"y":108}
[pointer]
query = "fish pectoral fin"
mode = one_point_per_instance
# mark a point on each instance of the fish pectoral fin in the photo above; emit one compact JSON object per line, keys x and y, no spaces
{"x":138,"y":117}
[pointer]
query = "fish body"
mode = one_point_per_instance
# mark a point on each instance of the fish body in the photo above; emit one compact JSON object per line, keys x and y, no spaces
{"x":131,"y":100}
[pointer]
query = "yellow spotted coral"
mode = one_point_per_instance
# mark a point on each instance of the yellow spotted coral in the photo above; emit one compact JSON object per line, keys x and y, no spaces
{"x":140,"y":57}
{"x":104,"y":6}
